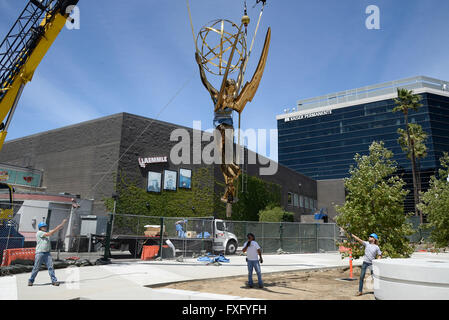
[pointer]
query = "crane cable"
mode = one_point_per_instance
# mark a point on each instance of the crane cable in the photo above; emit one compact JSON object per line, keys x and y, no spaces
{"x":191,"y":25}
{"x":254,"y":38}
{"x":246,"y":64}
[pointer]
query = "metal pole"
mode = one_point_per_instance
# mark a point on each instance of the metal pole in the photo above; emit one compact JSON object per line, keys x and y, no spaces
{"x":281,"y":235}
{"x":316,"y":237}
{"x":9,"y":234}
{"x":59,"y":245}
{"x":202,"y":235}
{"x":68,"y":236}
{"x":161,"y":237}
{"x":107,"y":249}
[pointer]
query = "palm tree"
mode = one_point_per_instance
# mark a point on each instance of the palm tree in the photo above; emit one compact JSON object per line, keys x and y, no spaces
{"x":418,"y":138}
{"x":406,"y":102}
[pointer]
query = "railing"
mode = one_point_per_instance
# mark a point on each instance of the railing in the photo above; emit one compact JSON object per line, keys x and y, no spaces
{"x":372,"y":91}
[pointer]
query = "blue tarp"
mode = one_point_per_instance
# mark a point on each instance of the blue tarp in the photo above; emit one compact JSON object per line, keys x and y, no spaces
{"x":203,"y":235}
{"x":320,"y":215}
{"x":220,"y":258}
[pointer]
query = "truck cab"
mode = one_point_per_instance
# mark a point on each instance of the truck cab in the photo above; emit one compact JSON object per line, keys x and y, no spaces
{"x":224,"y":241}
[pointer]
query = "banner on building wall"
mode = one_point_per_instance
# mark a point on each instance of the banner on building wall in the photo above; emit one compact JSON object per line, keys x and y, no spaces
{"x":20,"y":177}
{"x":154,"y":182}
{"x":170,"y":178}
{"x":185,"y":178}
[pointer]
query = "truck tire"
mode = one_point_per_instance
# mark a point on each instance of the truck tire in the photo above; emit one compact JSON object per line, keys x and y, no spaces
{"x":135,"y":249}
{"x":231,"y":247}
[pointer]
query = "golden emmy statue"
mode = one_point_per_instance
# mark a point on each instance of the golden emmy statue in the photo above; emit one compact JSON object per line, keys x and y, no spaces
{"x":221,"y":49}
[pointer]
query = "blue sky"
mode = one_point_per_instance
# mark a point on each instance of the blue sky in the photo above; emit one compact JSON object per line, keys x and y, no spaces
{"x":133,"y":56}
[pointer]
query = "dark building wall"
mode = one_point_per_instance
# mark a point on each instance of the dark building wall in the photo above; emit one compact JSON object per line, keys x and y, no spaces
{"x":291,"y":182}
{"x":145,"y":137}
{"x":74,"y":159}
{"x":156,"y":142}
{"x":88,"y":158}
{"x":330,"y":194}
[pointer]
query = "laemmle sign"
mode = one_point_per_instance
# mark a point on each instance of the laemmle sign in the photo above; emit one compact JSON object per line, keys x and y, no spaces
{"x":144,"y":161}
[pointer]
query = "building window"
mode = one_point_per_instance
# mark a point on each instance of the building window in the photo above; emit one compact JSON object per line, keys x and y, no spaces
{"x":307,"y":202}
{"x":301,"y":201}
{"x":289,"y":199}
{"x":295,"y":200}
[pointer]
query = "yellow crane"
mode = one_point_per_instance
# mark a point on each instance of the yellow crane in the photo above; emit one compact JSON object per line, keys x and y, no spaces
{"x":21,"y":52}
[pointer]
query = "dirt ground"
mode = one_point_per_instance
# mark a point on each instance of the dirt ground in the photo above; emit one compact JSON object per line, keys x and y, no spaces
{"x":298,"y":285}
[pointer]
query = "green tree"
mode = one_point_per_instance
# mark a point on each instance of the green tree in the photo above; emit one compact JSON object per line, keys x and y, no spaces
{"x":375,"y":203}
{"x":418,"y":138}
{"x":275,"y":214}
{"x":406,"y":102}
{"x":257,"y":196}
{"x":435,"y":203}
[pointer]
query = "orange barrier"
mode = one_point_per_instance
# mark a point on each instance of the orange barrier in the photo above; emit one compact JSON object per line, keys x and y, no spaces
{"x":150,"y":252}
{"x":10,"y":255}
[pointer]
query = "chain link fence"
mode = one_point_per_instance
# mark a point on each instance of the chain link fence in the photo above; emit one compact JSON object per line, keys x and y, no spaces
{"x":179,"y":236}
{"x":288,"y":236}
{"x":87,"y":236}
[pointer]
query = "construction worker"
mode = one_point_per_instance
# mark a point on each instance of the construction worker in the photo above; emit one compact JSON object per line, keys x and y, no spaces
{"x":372,"y":251}
{"x":180,"y":229}
{"x":252,"y":249}
{"x":43,"y":247}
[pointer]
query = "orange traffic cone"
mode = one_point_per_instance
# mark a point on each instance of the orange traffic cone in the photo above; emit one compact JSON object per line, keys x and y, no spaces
{"x":350,"y":264}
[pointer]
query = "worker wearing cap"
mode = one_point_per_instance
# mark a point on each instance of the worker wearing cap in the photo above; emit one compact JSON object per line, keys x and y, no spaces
{"x":43,"y":255}
{"x":372,"y":251}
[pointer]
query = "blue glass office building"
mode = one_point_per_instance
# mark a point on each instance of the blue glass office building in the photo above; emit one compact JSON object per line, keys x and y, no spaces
{"x":320,"y":137}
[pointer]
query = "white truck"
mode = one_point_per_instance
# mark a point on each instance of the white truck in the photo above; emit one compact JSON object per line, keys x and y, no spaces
{"x":224,"y":241}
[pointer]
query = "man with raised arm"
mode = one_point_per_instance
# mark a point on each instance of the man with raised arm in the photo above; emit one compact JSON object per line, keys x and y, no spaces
{"x":43,"y":255}
{"x":372,"y":252}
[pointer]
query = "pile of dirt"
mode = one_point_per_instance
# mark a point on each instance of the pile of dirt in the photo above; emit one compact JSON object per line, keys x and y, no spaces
{"x":323,"y":284}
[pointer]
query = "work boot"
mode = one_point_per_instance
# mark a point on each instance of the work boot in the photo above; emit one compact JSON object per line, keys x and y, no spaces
{"x":30,"y":284}
{"x":359,"y":294}
{"x":56,"y":284}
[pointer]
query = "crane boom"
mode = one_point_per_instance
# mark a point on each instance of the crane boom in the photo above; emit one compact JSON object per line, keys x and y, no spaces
{"x":23,"y":49}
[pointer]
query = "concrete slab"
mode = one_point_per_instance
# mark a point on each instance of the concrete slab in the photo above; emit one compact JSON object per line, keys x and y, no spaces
{"x":128,"y":279}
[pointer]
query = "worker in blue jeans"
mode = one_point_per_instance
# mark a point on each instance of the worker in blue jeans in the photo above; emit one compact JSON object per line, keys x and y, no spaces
{"x":372,"y":252}
{"x":252,"y":249}
{"x":43,"y":255}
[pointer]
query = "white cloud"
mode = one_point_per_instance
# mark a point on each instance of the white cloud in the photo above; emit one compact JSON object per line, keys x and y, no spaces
{"x":56,"y":106}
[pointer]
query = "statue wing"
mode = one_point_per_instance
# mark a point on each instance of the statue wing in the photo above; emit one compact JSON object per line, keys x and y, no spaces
{"x":250,"y":88}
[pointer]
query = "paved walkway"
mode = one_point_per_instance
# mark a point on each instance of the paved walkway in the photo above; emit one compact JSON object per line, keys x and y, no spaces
{"x":128,"y":279}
